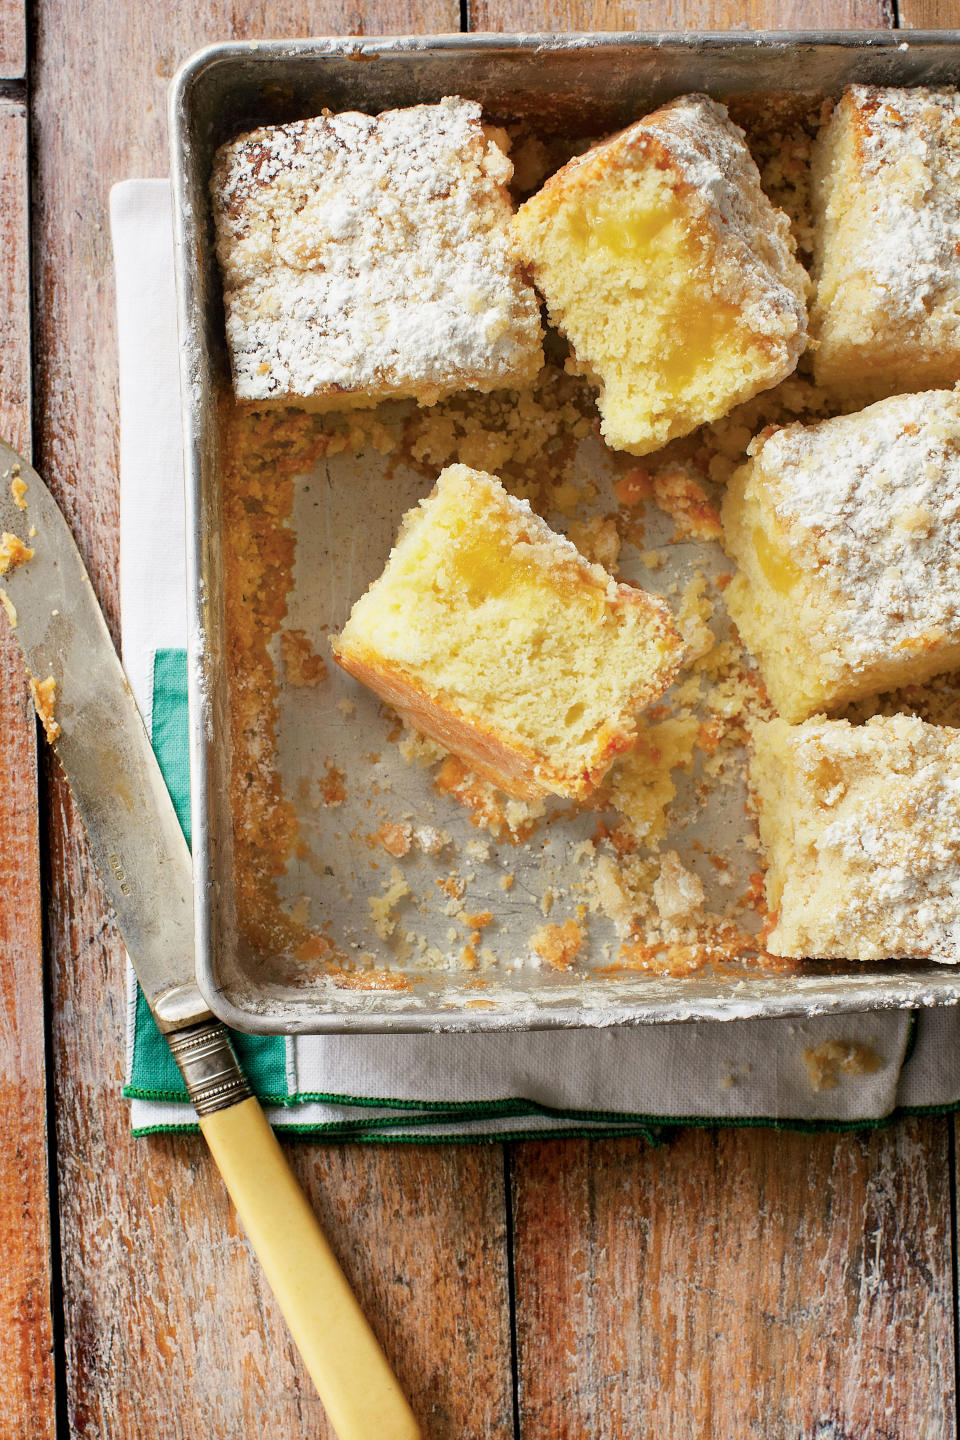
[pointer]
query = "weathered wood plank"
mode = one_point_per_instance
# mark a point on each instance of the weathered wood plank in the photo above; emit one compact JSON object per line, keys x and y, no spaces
{"x":509,"y":15}
{"x":26,"y":1361}
{"x":928,"y":14}
{"x":14,"y":278}
{"x":165,"y":1311}
{"x":736,"y":1283}
{"x":13,"y":39}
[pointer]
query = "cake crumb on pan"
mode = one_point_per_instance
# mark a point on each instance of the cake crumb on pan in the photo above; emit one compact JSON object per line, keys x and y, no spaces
{"x":302,"y":666}
{"x":558,"y":945}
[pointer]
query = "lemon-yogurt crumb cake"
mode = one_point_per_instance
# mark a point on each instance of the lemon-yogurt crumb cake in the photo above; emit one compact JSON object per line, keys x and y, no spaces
{"x":886,"y":192}
{"x":366,"y":258}
{"x":493,"y":635}
{"x":670,"y":272}
{"x":847,"y":538}
{"x":860,"y":828}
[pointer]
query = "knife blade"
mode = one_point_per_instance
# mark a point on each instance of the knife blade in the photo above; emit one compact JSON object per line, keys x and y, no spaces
{"x":145,"y":866}
{"x":103,"y":748}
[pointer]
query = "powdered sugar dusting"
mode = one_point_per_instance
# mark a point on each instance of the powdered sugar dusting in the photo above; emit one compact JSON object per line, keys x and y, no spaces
{"x":871,"y":503}
{"x":909,"y":145}
{"x":710,"y":154}
{"x":889,"y":836}
{"x":370,"y":256}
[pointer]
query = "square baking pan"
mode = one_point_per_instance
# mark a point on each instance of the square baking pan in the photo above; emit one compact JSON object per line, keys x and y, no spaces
{"x":345,"y":517}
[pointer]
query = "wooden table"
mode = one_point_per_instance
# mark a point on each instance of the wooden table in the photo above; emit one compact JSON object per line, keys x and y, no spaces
{"x":733,"y":1283}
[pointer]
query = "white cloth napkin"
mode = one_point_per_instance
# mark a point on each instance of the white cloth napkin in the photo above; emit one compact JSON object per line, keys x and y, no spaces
{"x":410,"y":1086}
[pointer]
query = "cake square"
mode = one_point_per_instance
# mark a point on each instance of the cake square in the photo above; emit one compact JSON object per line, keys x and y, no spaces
{"x":669,"y":271}
{"x":847,"y":538}
{"x":860,"y":829}
{"x":493,"y":635}
{"x":886,"y":199}
{"x":367,"y":258}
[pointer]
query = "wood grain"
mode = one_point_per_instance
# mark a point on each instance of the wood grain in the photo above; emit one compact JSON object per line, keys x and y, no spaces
{"x":13,"y":40}
{"x":26,"y":1362}
{"x":929,"y":14}
{"x":509,"y":15}
{"x":168,"y":1327}
{"x":747,"y":1284}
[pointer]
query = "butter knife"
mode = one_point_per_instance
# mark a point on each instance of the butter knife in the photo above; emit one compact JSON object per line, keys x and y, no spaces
{"x":93,"y":723}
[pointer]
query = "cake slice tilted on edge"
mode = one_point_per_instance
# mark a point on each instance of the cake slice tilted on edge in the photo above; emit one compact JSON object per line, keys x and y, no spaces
{"x":860,"y":826}
{"x":669,"y":271}
{"x":369,"y":258}
{"x":493,"y":635}
{"x":847,"y":538}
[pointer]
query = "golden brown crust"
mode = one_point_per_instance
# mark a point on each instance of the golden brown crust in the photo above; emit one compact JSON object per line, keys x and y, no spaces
{"x":488,"y":751}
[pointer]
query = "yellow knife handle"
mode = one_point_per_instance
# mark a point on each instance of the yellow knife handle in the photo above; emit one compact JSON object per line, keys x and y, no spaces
{"x":341,"y":1353}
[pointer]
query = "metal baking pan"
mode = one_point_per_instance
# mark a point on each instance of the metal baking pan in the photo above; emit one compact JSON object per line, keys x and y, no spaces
{"x":345,"y":520}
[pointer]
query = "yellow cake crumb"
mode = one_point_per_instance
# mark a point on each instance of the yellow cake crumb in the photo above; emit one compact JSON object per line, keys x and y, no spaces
{"x":598,"y":539}
{"x":829,"y":1060}
{"x":302,"y":666}
{"x":641,"y":787}
{"x":333,"y":791}
{"x":679,"y":493}
{"x":44,"y":694}
{"x":383,"y":906}
{"x":13,"y":552}
{"x":677,"y":892}
{"x":396,"y":839}
{"x":558,"y":945}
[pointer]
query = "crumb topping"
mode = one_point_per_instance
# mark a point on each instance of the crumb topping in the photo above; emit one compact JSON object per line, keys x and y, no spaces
{"x":870,"y":505}
{"x":862,"y":824}
{"x":909,"y":142}
{"x":370,"y":255}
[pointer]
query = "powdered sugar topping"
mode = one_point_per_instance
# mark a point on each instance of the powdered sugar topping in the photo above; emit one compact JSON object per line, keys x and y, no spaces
{"x":711,"y":155}
{"x":895,"y":830}
{"x":909,"y":154}
{"x":371,"y":255}
{"x":871,"y":502}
